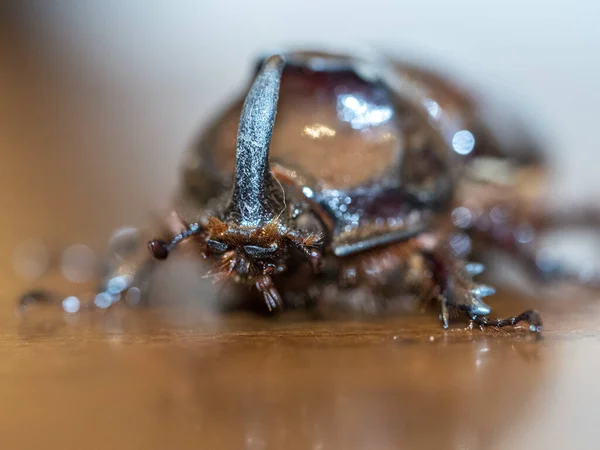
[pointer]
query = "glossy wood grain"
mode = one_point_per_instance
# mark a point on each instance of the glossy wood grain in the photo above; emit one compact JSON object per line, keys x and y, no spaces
{"x":170,"y":378}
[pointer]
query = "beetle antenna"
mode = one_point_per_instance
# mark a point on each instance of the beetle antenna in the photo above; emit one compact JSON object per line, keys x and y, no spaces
{"x":161,"y":249}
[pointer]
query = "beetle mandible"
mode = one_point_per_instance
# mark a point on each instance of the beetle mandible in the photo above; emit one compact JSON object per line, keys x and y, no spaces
{"x":348,"y":176}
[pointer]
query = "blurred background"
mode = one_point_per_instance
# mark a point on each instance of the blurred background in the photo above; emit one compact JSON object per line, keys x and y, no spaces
{"x":98,"y":100}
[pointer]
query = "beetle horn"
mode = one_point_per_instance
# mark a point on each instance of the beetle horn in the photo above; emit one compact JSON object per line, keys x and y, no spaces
{"x":257,"y":196}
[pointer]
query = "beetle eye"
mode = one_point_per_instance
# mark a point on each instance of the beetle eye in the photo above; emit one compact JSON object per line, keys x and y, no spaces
{"x":254,"y":250}
{"x":216,"y":246}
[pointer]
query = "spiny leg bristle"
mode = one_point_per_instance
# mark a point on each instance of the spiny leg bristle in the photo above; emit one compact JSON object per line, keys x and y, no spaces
{"x":474,"y":268}
{"x":483,"y":290}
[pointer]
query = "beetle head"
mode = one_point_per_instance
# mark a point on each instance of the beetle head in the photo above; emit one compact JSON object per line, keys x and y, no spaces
{"x":247,"y":233}
{"x":251,"y":254}
{"x":249,"y":239}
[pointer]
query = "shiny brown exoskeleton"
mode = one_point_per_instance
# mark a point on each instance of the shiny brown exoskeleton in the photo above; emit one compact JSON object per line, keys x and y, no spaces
{"x":373,"y":175}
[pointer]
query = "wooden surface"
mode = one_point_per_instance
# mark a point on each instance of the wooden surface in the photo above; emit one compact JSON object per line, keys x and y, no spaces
{"x":166,"y":379}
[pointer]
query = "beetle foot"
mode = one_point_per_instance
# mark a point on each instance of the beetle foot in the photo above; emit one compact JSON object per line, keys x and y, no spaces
{"x":532,"y":317}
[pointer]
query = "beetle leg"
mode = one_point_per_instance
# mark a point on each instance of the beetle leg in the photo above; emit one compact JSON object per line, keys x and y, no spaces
{"x":507,"y":220}
{"x":524,"y":243}
{"x":444,"y":313}
{"x":530,"y":316}
{"x":461,"y":292}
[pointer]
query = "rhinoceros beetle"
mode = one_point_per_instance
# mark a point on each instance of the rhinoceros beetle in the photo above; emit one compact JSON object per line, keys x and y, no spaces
{"x":343,"y":178}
